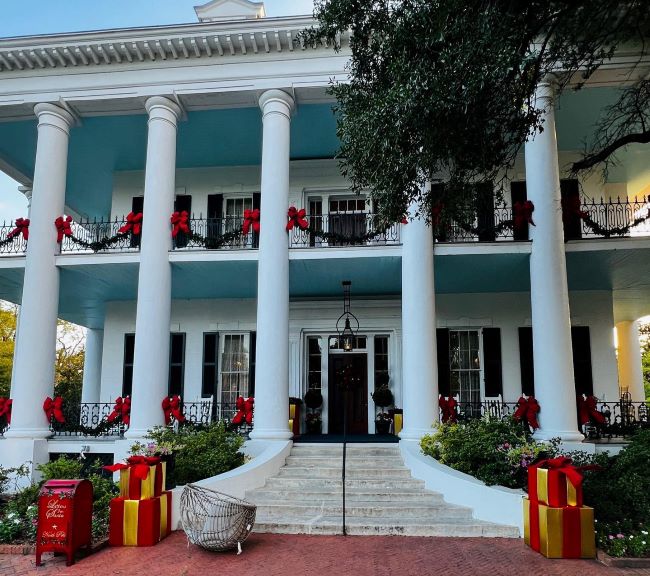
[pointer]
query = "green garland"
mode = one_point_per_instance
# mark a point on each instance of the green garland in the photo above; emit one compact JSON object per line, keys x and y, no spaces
{"x":99,"y":245}
{"x":214,"y":242}
{"x":618,"y":231}
{"x":99,"y":430}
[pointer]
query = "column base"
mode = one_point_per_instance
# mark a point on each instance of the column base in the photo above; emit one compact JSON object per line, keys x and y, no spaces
{"x":415,"y":434}
{"x":136,"y":434}
{"x":28,"y":433}
{"x":271,"y":434}
{"x":564,"y":435}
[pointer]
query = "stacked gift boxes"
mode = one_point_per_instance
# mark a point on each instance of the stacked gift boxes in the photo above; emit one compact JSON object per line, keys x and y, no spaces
{"x":556,"y":523}
{"x":141,"y":515}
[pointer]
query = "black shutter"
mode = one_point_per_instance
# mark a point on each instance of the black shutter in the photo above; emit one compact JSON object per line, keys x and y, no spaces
{"x":183,"y":203}
{"x":485,"y":211}
{"x":518,"y":194}
{"x":257,"y":202}
{"x":492,"y":361}
{"x":137,"y":207}
{"x":571,"y":197}
{"x":210,"y":379}
{"x":581,"y":345}
{"x":526,"y":361}
{"x":176,"y":363}
{"x":442,"y":345}
{"x":251,"y":363}
{"x":127,"y":366}
{"x":214,"y":224}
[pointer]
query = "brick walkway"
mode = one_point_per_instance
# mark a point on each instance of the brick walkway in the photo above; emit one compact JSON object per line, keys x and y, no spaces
{"x":283,"y":555}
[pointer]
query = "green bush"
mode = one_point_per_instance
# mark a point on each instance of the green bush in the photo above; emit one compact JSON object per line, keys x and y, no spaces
{"x":201,"y":452}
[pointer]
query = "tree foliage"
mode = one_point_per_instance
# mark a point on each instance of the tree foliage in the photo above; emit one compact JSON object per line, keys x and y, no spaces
{"x":444,"y":90}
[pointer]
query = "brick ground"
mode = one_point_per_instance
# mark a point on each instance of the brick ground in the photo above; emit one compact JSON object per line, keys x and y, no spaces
{"x":271,"y":555}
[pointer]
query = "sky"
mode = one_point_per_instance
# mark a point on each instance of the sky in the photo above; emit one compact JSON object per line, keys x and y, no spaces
{"x":30,"y":17}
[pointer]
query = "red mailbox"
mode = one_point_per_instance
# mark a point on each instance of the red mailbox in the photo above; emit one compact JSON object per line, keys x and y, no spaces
{"x":65,"y":511}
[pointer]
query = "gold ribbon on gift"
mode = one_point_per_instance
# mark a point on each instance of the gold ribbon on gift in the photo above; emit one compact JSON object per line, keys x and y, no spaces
{"x":163,"y":515}
{"x":542,"y":488}
{"x":130,"y":526}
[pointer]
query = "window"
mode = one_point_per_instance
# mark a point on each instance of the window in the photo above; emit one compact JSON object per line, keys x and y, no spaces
{"x":234,"y":367}
{"x":381,"y":361}
{"x":210,"y":374}
{"x":127,"y":370}
{"x":235,"y":211}
{"x":314,"y":354}
{"x":347,"y":217}
{"x":465,"y":365}
{"x":176,"y":364}
{"x":359,"y":343}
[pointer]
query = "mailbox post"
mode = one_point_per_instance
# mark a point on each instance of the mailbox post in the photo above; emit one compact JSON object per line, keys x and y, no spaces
{"x":65,"y":509}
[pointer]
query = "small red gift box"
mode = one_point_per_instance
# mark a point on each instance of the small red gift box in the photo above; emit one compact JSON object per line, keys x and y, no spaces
{"x":139,"y":522}
{"x":555,"y":482}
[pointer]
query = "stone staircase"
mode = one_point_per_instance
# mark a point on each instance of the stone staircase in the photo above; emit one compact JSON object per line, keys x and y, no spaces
{"x":305,"y":497}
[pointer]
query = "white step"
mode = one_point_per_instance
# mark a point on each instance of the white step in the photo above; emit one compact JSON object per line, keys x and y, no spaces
{"x":264,"y":495}
{"x":350,"y":473}
{"x":328,"y":484}
{"x":351,"y":461}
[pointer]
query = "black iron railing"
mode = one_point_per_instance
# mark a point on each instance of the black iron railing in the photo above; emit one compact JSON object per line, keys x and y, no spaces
{"x":615,"y":218}
{"x":100,"y":236}
{"x":224,"y":233}
{"x":490,"y":225}
{"x":205,"y":412}
{"x":11,"y":242}
{"x":87,"y":419}
{"x":622,"y":419}
{"x":495,"y":409}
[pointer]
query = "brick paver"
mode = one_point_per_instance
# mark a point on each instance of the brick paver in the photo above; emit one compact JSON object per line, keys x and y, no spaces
{"x":284,"y":555}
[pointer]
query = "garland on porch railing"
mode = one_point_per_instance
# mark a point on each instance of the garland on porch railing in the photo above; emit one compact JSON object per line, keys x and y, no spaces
{"x":132,"y":226}
{"x":522,"y":214}
{"x":180,"y":224}
{"x":298,"y":219}
{"x":571,"y":207}
{"x":172,"y":408}
{"x":21,"y":227}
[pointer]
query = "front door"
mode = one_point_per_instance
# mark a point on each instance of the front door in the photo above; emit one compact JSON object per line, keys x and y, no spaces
{"x":348,"y":392}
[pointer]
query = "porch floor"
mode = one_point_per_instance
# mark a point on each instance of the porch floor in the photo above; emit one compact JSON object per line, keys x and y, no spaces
{"x":351,"y":439}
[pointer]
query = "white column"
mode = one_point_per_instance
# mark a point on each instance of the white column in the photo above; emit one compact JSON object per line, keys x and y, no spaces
{"x":630,"y":373}
{"x":92,"y":366}
{"x":153,"y":316}
{"x":272,"y":367}
{"x":549,"y":294}
{"x":36,"y":341}
{"x":419,"y":362}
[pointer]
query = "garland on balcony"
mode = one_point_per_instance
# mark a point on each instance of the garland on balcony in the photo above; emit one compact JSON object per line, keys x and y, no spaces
{"x":132,"y":226}
{"x":571,"y":207}
{"x":21,"y":227}
{"x":522,"y":214}
{"x":180,"y":224}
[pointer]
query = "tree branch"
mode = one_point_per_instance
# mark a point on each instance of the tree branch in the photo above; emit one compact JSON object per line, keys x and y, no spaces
{"x":590,"y":160}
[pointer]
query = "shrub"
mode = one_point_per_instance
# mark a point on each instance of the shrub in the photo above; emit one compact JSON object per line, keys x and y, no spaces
{"x":201,"y":452}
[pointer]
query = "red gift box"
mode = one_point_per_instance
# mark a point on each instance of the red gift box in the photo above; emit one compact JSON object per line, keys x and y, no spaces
{"x":139,"y":522}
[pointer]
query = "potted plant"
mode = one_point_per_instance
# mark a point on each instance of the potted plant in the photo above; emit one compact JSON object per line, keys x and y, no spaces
{"x":314,"y":422}
{"x":383,"y":398}
{"x":313,"y":401}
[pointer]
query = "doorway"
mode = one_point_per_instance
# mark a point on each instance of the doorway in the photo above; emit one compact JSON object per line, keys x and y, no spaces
{"x":351,"y":370}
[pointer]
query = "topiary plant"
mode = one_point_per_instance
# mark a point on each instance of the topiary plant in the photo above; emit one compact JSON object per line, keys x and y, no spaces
{"x":313,"y":399}
{"x":383,"y":397}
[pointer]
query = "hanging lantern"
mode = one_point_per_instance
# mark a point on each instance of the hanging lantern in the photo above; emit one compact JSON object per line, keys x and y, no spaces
{"x":344,"y":325}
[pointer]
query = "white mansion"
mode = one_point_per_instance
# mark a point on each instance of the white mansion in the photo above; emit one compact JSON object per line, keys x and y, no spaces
{"x":229,"y":120}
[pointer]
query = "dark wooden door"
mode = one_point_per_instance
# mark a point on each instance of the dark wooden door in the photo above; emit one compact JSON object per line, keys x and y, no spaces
{"x":348,"y":371}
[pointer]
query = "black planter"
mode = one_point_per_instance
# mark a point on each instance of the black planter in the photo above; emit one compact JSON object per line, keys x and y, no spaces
{"x":382,"y":426}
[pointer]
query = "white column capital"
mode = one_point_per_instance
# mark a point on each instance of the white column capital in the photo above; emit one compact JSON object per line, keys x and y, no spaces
{"x":277,"y":102}
{"x":161,"y":108}
{"x":27,"y":191}
{"x":53,"y":115}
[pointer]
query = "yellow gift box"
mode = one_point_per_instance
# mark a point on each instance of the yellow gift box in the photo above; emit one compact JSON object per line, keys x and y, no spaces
{"x":139,"y":522}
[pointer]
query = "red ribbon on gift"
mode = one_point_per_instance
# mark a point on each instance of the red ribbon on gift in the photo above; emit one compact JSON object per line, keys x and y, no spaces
{"x":179,"y":222}
{"x":523,"y":213}
{"x":244,"y":411}
{"x":121,"y":410}
{"x":63,"y":228}
{"x":133,"y":224}
{"x":297,"y":218}
{"x":171,"y":406}
{"x":139,"y":465}
{"x":54,"y":408}
{"x":251,"y":219}
{"x":22,"y":227}
{"x":448,"y":409}
{"x":588,"y":412}
{"x":528,"y":409}
{"x":5,"y":408}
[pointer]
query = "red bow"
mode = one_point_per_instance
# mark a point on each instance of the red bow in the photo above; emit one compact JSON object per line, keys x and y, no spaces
{"x":527,"y":409}
{"x":564,"y":465}
{"x":22,"y":227}
{"x":297,"y":218}
{"x":244,"y":411}
{"x":133,"y":223}
{"x":63,"y":227}
{"x":171,"y":406}
{"x":54,"y":408}
{"x":251,"y":218}
{"x":179,"y":223}
{"x":121,"y":410}
{"x":587,"y":411}
{"x":523,"y":213}
{"x":571,"y":207}
{"x":436,"y":213}
{"x":5,"y":408}
{"x":448,"y":409}
{"x":139,"y":464}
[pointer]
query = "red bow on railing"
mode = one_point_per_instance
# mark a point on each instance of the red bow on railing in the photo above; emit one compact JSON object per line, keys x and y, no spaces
{"x":436,"y":213}
{"x":251,"y":218}
{"x":5,"y":409}
{"x":297,"y":218}
{"x":244,"y":411}
{"x":133,"y":224}
{"x":121,"y":410}
{"x":22,"y":227}
{"x":138,"y":464}
{"x":523,"y":213}
{"x":570,"y":208}
{"x":54,"y":408}
{"x":587,"y":411}
{"x":171,"y":406}
{"x":180,"y":223}
{"x":448,"y":409}
{"x":63,"y":228}
{"x":527,"y":409}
